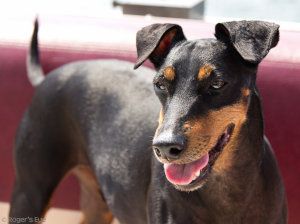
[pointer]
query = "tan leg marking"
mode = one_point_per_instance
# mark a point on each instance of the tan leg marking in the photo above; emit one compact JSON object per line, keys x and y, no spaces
{"x":92,"y":203}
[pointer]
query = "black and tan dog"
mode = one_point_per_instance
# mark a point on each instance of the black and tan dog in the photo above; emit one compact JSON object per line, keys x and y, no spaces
{"x":212,"y":163}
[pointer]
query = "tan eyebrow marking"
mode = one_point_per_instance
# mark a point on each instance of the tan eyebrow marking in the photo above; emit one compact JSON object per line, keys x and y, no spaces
{"x":169,"y":73}
{"x":204,"y":72}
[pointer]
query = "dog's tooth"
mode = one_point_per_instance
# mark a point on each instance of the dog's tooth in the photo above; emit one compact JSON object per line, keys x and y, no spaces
{"x":198,"y":173}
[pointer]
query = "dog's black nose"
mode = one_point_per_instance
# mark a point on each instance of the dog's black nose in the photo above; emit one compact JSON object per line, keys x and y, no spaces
{"x":169,"y":152}
{"x":170,"y":148}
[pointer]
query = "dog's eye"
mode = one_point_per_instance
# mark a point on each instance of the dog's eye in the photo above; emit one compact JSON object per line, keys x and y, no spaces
{"x":159,"y":86}
{"x":217,"y":83}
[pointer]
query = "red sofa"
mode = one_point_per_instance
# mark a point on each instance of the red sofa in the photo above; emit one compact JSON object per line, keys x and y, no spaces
{"x":66,"y":39}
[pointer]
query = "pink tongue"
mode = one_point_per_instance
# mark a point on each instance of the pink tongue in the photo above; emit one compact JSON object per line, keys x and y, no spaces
{"x":184,"y":174}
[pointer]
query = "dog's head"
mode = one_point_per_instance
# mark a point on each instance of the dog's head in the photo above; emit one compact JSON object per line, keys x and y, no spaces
{"x":205,"y":87}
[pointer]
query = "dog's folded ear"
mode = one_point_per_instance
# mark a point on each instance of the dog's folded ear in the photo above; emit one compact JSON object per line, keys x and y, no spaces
{"x":251,"y":39}
{"x":155,"y":41}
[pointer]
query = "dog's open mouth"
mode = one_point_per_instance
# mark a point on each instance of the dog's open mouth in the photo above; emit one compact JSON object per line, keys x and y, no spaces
{"x":188,"y":176}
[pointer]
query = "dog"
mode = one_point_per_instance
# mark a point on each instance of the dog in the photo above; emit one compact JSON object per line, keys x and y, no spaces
{"x":206,"y":161}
